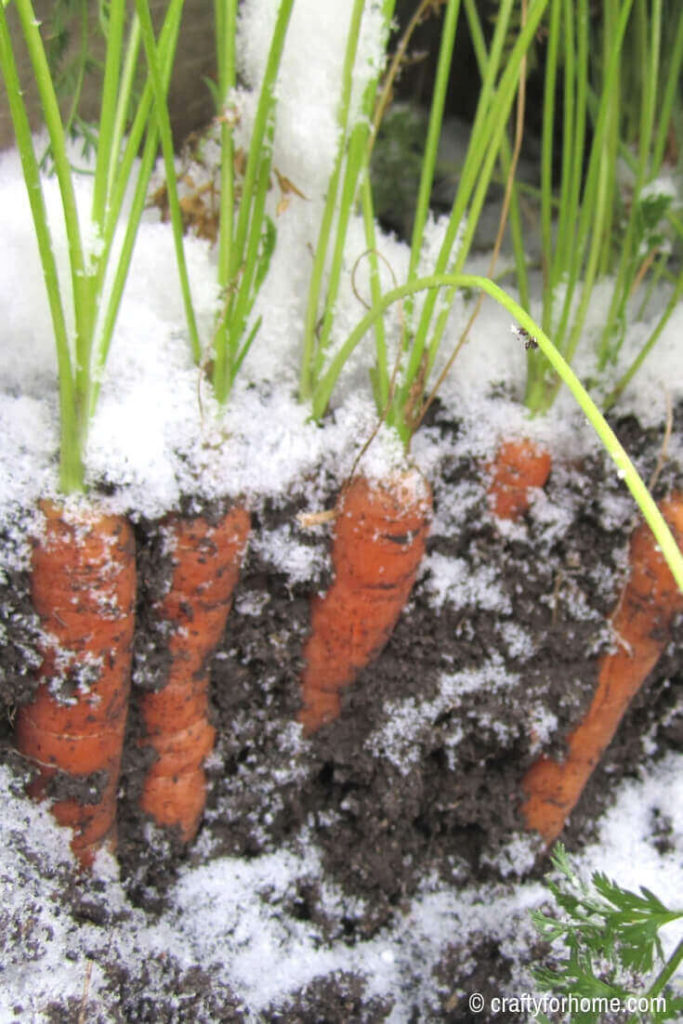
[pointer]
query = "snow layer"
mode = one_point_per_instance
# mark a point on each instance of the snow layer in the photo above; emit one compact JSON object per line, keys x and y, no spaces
{"x":232,"y":915}
{"x":157,"y":436}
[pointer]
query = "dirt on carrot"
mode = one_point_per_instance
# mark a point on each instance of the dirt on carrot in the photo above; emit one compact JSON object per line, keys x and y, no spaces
{"x":379,"y":540}
{"x":83,"y":589}
{"x":641,"y":626}
{"x":191,"y":615}
{"x":517,"y":469}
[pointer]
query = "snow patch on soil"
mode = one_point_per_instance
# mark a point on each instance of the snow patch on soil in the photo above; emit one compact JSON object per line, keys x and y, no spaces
{"x":233,"y":916}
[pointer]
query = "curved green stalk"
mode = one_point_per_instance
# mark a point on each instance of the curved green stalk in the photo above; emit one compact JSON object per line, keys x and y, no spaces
{"x":625,"y":468}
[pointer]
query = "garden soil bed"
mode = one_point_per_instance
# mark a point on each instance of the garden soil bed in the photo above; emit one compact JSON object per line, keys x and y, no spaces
{"x":414,"y":790}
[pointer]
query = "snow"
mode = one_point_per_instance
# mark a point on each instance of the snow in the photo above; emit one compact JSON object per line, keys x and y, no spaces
{"x":452,"y":580}
{"x":231,"y":914}
{"x":308,"y":88}
{"x":157,"y":436}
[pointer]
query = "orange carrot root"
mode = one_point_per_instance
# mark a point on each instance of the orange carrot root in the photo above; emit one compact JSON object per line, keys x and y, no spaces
{"x":518,"y":468}
{"x":641,"y":625}
{"x":379,"y":542}
{"x":83,"y":589}
{"x":207,"y":560}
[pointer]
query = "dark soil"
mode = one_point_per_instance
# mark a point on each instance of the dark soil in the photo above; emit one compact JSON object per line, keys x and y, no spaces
{"x":450,"y":806}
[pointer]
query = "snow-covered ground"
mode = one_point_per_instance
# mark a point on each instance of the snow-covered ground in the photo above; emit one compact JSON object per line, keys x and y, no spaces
{"x":230,"y":915}
{"x":156,"y":436}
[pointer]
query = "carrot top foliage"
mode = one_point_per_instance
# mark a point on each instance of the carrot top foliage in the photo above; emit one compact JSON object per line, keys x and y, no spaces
{"x":608,"y":945}
{"x":98,"y":263}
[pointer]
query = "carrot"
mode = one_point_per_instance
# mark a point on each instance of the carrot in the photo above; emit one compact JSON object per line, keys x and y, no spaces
{"x":83,"y":589}
{"x":207,"y":559}
{"x":518,"y":468}
{"x":379,"y":541}
{"x":641,"y":624}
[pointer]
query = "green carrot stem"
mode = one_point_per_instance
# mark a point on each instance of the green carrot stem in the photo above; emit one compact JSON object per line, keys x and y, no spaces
{"x":515,"y":220}
{"x":309,"y":348}
{"x":110,"y":94}
{"x":591,"y":213}
{"x":381,"y":370}
{"x":492,"y":115}
{"x":611,"y":139}
{"x":443,"y":69}
{"x":225,"y":20}
{"x":609,"y":347}
{"x":668,"y":970}
{"x":262,"y":120}
{"x":244,"y":298}
{"x":630,"y":373}
{"x":352,"y":171}
{"x":557,"y":253}
{"x":123,"y":103}
{"x":356,"y":168}
{"x":669,"y":95}
{"x":225,"y":13}
{"x":125,"y":161}
{"x":238,"y":270}
{"x":71,"y":472}
{"x":547,"y":140}
{"x":111,"y":301}
{"x":166,"y":136}
{"x":83,"y":307}
{"x":108,"y":318}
